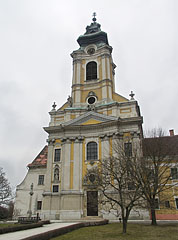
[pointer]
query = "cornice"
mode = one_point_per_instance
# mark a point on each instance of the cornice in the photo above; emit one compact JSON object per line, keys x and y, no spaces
{"x":94,"y":127}
{"x":92,"y":83}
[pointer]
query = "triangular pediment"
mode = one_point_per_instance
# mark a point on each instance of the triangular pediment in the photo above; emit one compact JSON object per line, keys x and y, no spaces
{"x":90,"y":118}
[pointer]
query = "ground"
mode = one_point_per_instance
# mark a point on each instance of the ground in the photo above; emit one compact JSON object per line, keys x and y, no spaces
{"x":114,"y":231}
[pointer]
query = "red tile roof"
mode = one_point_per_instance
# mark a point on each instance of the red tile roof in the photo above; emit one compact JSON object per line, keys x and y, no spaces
{"x":41,"y":159}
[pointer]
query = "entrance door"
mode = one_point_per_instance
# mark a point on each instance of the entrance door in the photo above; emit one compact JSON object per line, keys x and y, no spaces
{"x":92,"y":203}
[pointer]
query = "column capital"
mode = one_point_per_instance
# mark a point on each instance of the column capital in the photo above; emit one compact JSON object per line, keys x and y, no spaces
{"x":75,"y":61}
{"x":51,"y":142}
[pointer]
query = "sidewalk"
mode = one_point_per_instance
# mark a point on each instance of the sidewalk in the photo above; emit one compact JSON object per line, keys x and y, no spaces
{"x":31,"y":232}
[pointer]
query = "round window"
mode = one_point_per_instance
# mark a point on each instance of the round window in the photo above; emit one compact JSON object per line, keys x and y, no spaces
{"x":91,"y":100}
{"x":91,"y":51}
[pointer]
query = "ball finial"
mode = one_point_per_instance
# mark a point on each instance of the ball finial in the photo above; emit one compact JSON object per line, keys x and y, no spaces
{"x":94,"y":17}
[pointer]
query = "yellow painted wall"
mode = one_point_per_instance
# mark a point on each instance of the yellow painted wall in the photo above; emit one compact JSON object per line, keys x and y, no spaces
{"x":64,"y":106}
{"x":109,"y":112}
{"x":119,"y":98}
{"x":85,"y":93}
{"x":72,"y":116}
{"x":91,"y":121}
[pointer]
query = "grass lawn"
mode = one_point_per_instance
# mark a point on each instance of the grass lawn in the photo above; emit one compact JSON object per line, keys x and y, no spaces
{"x":114,"y":231}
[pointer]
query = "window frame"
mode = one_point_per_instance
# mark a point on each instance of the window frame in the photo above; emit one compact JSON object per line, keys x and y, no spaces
{"x":57,"y":155}
{"x":174,"y":176}
{"x":92,"y":151}
{"x":57,"y":188}
{"x":176,"y":202}
{"x":131,"y":186}
{"x":91,"y":71}
{"x":39,"y":205}
{"x":128,"y":149}
{"x":167,"y":204}
{"x":40,"y":180}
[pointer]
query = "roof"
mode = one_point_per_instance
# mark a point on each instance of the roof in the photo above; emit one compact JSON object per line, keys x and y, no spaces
{"x":41,"y":159}
{"x":93,"y":35}
{"x":166,"y":145}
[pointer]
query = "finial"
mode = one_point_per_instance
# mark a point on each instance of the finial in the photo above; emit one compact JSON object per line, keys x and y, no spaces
{"x":132,"y":96}
{"x":94,"y":17}
{"x":54,"y":106}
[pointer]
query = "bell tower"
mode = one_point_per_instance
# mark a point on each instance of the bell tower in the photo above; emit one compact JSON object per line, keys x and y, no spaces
{"x":93,"y":68}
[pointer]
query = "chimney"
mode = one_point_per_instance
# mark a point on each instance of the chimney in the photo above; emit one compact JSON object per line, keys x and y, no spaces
{"x":171,"y":132}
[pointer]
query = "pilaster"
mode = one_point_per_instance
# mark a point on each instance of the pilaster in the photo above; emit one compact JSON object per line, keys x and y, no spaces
{"x":66,"y":148}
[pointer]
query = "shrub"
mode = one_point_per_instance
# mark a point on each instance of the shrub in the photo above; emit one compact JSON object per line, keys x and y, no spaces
{"x":20,"y":227}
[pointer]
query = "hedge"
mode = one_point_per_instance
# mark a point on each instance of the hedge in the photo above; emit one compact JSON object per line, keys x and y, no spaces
{"x":20,"y":227}
{"x":57,"y":232}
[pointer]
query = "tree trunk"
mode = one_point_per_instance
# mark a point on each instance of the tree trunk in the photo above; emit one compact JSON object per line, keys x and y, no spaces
{"x":125,"y":220}
{"x":124,"y":225}
{"x":153,"y":217}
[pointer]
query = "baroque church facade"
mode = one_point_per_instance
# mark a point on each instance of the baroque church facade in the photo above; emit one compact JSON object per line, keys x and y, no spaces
{"x":80,"y":133}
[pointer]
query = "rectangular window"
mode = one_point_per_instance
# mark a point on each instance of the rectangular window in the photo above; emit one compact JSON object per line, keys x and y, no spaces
{"x":156,"y":203}
{"x":151,"y":173}
{"x":57,"y":155}
{"x":128,"y":149}
{"x":41,"y":180}
{"x":39,"y":205}
{"x":174,"y":173}
{"x":92,"y":151}
{"x":176,"y":201}
{"x":55,"y":188}
{"x":167,"y":204}
{"x":131,"y":186}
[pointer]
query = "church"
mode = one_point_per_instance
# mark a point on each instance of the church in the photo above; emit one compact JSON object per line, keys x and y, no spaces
{"x":80,"y":133}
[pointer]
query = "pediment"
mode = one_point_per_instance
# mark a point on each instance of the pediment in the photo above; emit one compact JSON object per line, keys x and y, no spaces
{"x":90,"y":118}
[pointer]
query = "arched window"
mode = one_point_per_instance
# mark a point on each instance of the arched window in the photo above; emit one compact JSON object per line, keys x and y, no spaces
{"x":91,"y":71}
{"x":92,"y":151}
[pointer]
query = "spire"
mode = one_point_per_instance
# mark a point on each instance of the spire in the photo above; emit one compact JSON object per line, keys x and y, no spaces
{"x":93,"y":34}
{"x":94,"y":26}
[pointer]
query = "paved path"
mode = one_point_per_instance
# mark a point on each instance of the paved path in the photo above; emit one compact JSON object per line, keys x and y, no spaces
{"x":31,"y":232}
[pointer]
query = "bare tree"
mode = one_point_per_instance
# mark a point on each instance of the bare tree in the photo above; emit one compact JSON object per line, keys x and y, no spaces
{"x":152,"y":171}
{"x":5,"y":189}
{"x":119,"y":194}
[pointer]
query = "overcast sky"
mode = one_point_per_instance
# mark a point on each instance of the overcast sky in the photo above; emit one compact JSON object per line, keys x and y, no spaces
{"x":36,"y":39}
